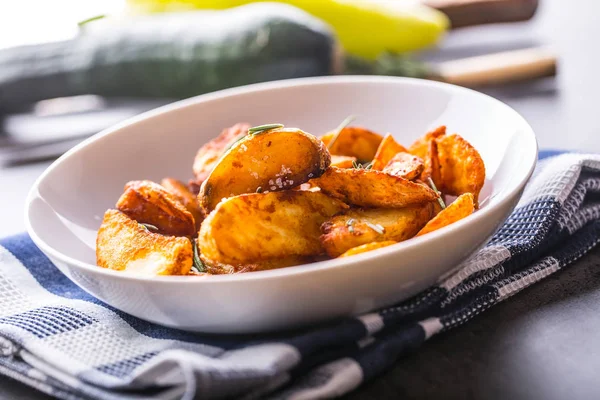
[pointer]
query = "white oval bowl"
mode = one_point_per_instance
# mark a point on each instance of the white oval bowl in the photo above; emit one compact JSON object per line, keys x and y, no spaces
{"x":66,"y":204}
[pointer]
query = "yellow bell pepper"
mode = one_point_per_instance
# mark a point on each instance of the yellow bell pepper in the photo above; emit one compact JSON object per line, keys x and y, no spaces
{"x":366,"y":28}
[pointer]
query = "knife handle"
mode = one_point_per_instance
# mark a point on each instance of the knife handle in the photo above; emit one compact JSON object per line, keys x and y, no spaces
{"x":499,"y":68}
{"x":464,"y":13}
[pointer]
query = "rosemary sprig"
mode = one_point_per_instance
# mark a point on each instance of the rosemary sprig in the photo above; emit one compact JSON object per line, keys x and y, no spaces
{"x":357,"y":165}
{"x":339,"y":129}
{"x":350,"y":225}
{"x":237,"y":139}
{"x":376,"y":227}
{"x":263,"y":128}
{"x":198,"y":265}
{"x":441,"y":201}
{"x":148,"y":227}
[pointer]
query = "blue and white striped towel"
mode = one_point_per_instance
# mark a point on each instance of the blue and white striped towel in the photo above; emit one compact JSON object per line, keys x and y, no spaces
{"x":60,"y":340}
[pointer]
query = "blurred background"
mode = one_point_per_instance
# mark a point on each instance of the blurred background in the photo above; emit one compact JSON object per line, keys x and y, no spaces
{"x":69,"y":68}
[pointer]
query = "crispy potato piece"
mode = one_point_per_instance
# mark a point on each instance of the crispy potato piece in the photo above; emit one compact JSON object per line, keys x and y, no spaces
{"x":123,"y":244}
{"x":354,"y":142}
{"x":405,"y":165}
{"x":185,"y":197}
{"x":356,"y":227}
{"x":432,"y":166}
{"x":343,"y":161}
{"x":148,"y":202}
{"x":460,"y":208}
{"x":216,"y":268}
{"x":263,"y":226}
{"x":368,"y":188}
{"x":421,"y":146}
{"x":209,"y":154}
{"x":274,"y":160}
{"x":461,"y":166}
{"x":386,"y":151}
{"x":363,"y":248}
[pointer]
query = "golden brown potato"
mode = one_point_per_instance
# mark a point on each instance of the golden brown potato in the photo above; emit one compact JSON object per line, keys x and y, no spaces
{"x":421,"y":146}
{"x":432,"y":166}
{"x":461,"y":166}
{"x":405,"y":165}
{"x":209,"y":154}
{"x":263,"y":226}
{"x":274,"y":160}
{"x":185,"y":197}
{"x":123,"y":244}
{"x":356,"y":227}
{"x":460,"y":208}
{"x":354,"y":142}
{"x":216,"y":268}
{"x":368,"y":188}
{"x":343,"y":161}
{"x":150,"y":203}
{"x":386,"y":151}
{"x":367,"y":247}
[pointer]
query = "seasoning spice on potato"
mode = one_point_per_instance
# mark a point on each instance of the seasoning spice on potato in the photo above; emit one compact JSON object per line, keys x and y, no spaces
{"x":461,"y":166}
{"x":386,"y":151}
{"x":273,"y":160}
{"x":460,"y":208}
{"x":356,"y":227}
{"x":209,"y":154}
{"x":367,"y":247}
{"x":125,"y":245}
{"x":354,"y":141}
{"x":148,"y":202}
{"x":368,"y":188}
{"x":185,"y":197}
{"x":421,"y":146}
{"x":405,"y":165}
{"x":263,"y":226}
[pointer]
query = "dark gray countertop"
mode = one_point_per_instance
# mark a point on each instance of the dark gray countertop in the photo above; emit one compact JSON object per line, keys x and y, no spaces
{"x":541,"y":344}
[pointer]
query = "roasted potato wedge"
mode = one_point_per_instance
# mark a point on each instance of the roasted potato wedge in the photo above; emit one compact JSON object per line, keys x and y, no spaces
{"x":123,"y":244}
{"x":354,"y":142}
{"x":405,"y":165}
{"x":462,"y":168}
{"x":256,"y":227}
{"x":150,"y":203}
{"x":185,"y":197}
{"x":209,"y":154}
{"x":356,"y":227}
{"x":421,"y":146}
{"x":274,"y":160}
{"x":367,"y":247}
{"x":432,"y":168}
{"x":460,"y":208}
{"x":217,"y":268}
{"x":368,"y":188}
{"x":343,"y":161}
{"x":387,"y":149}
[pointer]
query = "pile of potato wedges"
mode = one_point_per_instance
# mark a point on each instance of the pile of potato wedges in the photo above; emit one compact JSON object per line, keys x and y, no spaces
{"x":270,"y":197}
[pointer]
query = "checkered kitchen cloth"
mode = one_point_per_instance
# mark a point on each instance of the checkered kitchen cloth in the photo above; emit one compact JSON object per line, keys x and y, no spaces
{"x":60,"y":340}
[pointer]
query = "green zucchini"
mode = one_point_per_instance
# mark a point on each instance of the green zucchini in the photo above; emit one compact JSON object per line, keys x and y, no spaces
{"x":173,"y":55}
